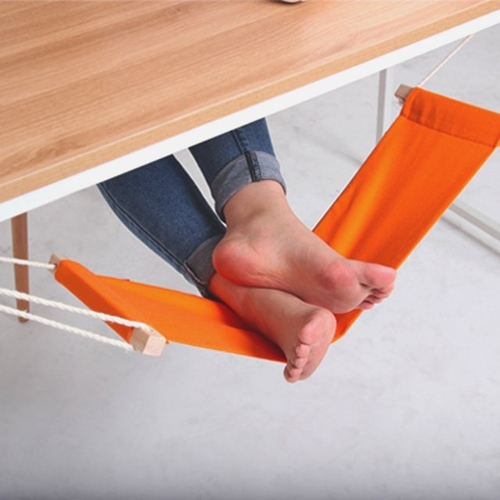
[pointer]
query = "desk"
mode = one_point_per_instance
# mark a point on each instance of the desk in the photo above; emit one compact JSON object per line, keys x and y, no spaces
{"x":89,"y":90}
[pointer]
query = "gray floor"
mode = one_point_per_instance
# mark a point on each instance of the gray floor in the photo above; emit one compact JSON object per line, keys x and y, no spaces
{"x":406,"y":406}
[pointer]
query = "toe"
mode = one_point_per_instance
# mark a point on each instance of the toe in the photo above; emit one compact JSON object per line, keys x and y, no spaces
{"x":366,"y":305}
{"x":301,"y":351}
{"x":379,"y":277}
{"x":292,"y":373}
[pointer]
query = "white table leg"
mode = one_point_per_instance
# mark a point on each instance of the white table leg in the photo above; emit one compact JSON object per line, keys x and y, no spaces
{"x":385,"y":97}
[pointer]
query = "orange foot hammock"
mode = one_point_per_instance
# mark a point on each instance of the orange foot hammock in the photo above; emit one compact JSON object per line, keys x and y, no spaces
{"x":425,"y":159}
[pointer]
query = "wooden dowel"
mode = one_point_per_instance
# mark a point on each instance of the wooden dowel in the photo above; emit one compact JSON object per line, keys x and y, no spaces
{"x":147,"y":342}
{"x":403,"y":92}
{"x":19,"y":226}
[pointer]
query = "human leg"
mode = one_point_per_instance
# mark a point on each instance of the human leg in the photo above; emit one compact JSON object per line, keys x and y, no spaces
{"x":164,"y":208}
{"x":160,"y":204}
{"x":238,"y":158}
{"x":266,"y":245}
{"x":296,"y":281}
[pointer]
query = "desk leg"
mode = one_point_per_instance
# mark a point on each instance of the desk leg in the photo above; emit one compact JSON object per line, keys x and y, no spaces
{"x":19,"y":226}
{"x":385,"y":99}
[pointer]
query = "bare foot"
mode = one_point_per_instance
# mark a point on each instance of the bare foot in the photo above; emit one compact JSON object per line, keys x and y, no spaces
{"x":266,"y":245}
{"x":302,"y":331}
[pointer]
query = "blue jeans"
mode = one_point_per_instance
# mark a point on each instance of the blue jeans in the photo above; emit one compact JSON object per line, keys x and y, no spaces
{"x":164,"y":208}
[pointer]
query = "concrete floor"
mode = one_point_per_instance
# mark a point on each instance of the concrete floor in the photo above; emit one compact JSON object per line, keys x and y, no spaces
{"x":404,"y":407}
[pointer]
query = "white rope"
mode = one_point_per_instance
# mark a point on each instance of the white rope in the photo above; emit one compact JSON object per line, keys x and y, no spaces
{"x":29,"y":263}
{"x":67,"y":328}
{"x":444,"y":61}
{"x":64,"y":307}
{"x":77,"y":310}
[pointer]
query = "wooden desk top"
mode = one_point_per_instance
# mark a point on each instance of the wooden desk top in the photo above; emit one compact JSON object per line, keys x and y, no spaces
{"x":84,"y":82}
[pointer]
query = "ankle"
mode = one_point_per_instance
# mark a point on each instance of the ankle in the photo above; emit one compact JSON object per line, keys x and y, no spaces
{"x":254,"y":200}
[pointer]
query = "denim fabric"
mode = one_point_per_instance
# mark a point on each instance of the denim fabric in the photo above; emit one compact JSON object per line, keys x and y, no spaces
{"x":164,"y":208}
{"x":233,"y":160}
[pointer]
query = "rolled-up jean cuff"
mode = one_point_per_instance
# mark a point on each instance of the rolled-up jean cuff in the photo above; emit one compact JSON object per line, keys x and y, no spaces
{"x":199,"y":264}
{"x":253,"y":166}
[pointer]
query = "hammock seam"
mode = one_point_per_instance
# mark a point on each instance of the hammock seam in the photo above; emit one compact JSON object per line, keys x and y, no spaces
{"x":455,"y":136}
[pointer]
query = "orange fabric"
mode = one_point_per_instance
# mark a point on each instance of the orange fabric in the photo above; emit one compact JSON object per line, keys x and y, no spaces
{"x":425,"y":159}
{"x":179,"y":317}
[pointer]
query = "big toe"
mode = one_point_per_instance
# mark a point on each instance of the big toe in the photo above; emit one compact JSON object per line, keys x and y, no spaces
{"x":317,"y":336}
{"x":378,"y":277}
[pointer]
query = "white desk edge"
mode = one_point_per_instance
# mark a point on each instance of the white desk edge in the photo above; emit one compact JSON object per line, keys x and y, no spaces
{"x":93,"y":176}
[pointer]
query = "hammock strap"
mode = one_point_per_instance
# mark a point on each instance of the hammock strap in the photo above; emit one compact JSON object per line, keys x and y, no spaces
{"x":28,"y":263}
{"x":140,"y":336}
{"x":76,"y":310}
{"x":67,"y":328}
{"x":445,"y":60}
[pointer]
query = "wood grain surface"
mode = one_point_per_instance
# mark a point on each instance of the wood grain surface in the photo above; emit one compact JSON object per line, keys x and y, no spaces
{"x":84,"y":82}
